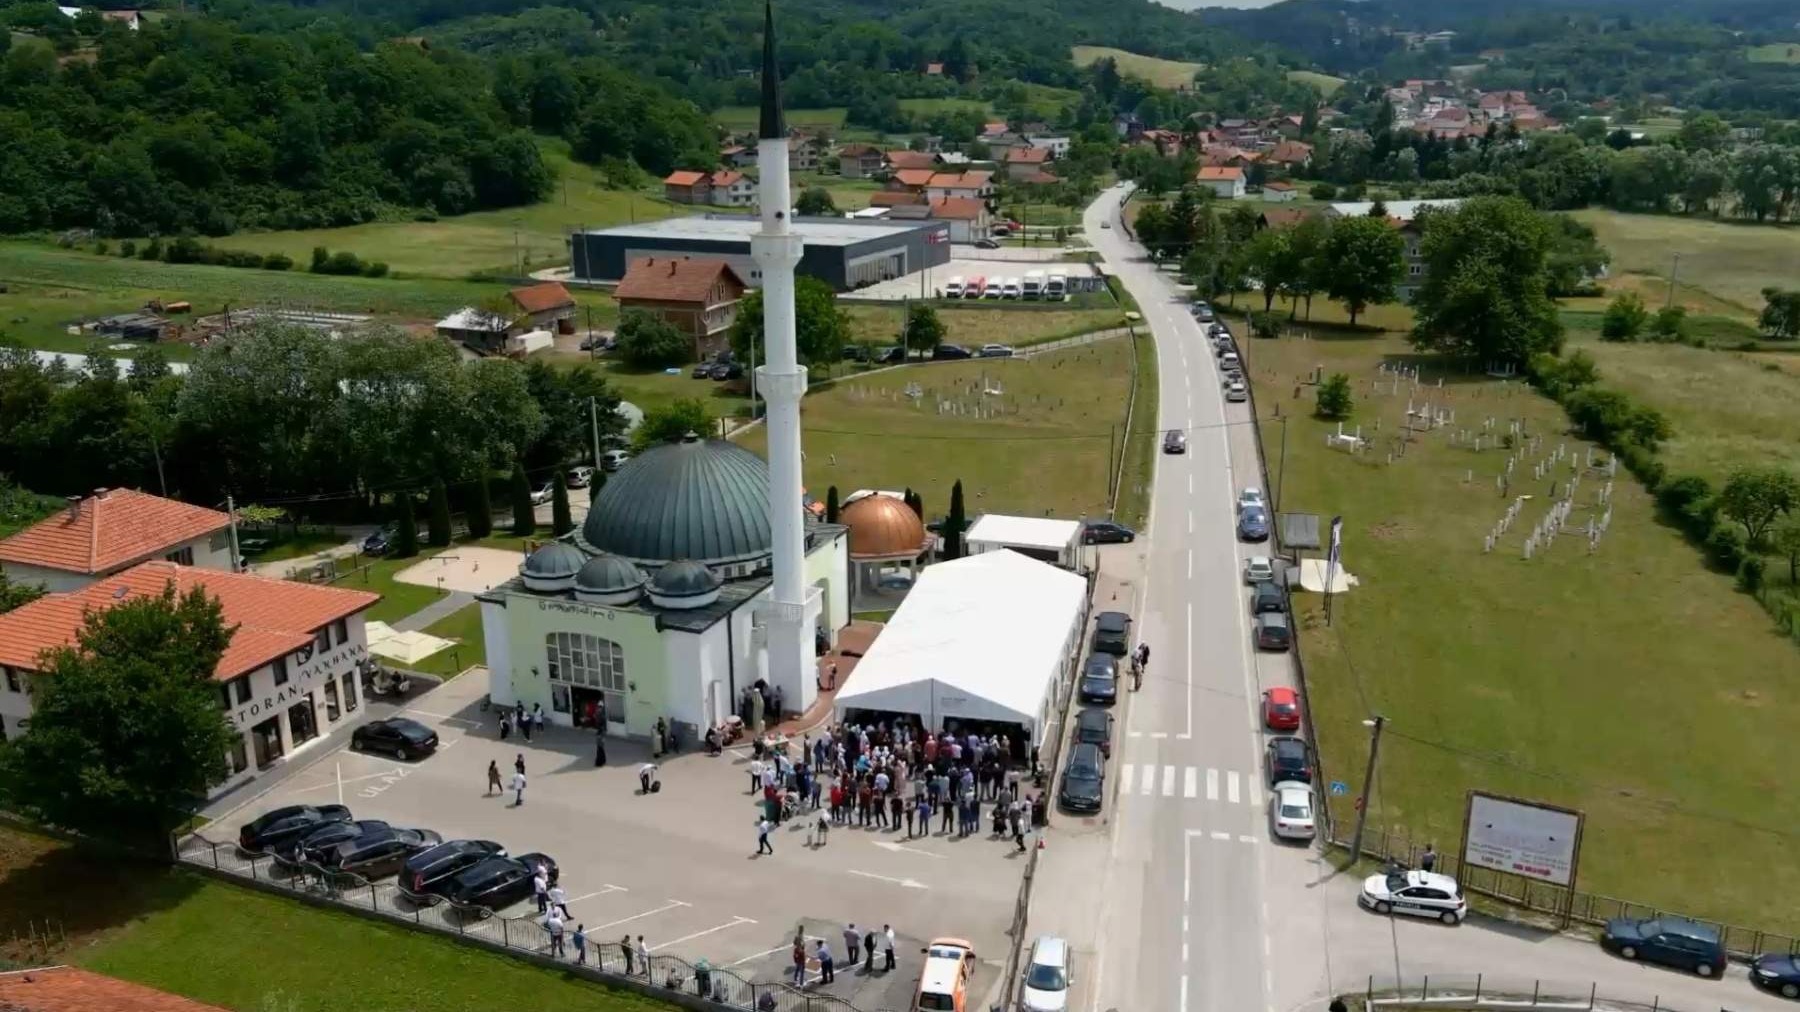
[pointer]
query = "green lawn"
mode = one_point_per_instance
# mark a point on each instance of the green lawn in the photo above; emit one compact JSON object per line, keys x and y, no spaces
{"x":977,"y":325}
{"x":1154,"y":69}
{"x":291,"y":546}
{"x":744,"y":117}
{"x":933,"y":106}
{"x":1046,"y":456}
{"x":1044,"y":100}
{"x":1734,"y":261}
{"x":1141,"y":445}
{"x":1034,"y":215}
{"x":1537,"y":678}
{"x":1325,"y":83}
{"x":1774,"y":52}
{"x":846,"y":194}
{"x":469,"y":643}
{"x":398,"y":600}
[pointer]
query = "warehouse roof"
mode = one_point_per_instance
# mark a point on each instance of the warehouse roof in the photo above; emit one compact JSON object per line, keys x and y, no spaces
{"x":738,"y":228}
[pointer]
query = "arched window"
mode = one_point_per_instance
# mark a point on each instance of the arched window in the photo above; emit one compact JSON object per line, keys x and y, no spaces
{"x":590,"y":664}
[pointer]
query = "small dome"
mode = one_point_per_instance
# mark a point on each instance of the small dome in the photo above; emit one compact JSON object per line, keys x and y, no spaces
{"x":608,"y":579}
{"x":552,"y":567}
{"x":684,"y":584}
{"x":701,"y":499}
{"x":883,"y":527}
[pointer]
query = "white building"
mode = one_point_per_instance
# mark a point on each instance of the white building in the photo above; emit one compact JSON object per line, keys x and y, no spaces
{"x":111,"y":531}
{"x":288,"y":678}
{"x":1057,"y":146}
{"x":1227,"y":181}
{"x":1057,"y":542}
{"x":1279,"y":192}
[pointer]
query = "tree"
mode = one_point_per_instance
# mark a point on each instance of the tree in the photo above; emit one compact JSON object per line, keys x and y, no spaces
{"x":1757,"y":497}
{"x":647,"y":341}
{"x":406,"y":526}
{"x":1366,"y":259}
{"x":1784,"y":537}
{"x":1269,"y":263}
{"x":1780,"y":315}
{"x":595,"y":484}
{"x":815,"y":201}
{"x":524,"y":523}
{"x":1625,"y":318}
{"x":561,"y":522}
{"x":437,"y":516}
{"x":924,"y":329}
{"x":831,"y":505}
{"x":1378,"y":209}
{"x":1333,"y":400}
{"x":820,"y":326}
{"x":126,"y":732}
{"x":1485,"y":298}
{"x":1703,"y":131}
{"x":668,"y":423}
{"x":480,"y":507}
{"x":14,"y":595}
{"x":955,"y":522}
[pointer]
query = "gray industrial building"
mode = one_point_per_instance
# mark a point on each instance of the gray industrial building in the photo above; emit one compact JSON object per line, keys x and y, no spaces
{"x":845,"y":253}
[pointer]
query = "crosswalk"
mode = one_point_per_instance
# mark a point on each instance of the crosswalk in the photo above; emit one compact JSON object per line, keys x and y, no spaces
{"x":1151,"y":780}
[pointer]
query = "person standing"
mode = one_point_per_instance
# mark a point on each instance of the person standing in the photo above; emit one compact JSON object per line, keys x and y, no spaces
{"x":625,"y":946}
{"x":581,"y":945}
{"x":523,"y":719}
{"x":540,"y":890}
{"x":518,"y":789}
{"x":824,"y":954}
{"x":887,"y":950}
{"x":494,"y":784}
{"x":643,"y":957}
{"x":662,"y":738}
{"x":869,"y":952}
{"x":518,"y":762}
{"x":537,"y":717}
{"x":822,"y":828}
{"x":852,"y":943}
{"x":599,"y":747}
{"x":554,"y":925}
{"x":799,"y":957}
{"x":763,"y":827}
{"x":1428,"y":860}
{"x":505,"y":725}
{"x":756,"y":770}
{"x":559,"y":900}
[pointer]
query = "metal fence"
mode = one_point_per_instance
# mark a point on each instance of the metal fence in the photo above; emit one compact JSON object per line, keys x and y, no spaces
{"x":604,"y":962}
{"x":1462,"y":991}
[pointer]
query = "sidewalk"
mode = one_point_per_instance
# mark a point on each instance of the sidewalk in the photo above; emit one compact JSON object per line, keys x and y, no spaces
{"x":435,"y":612}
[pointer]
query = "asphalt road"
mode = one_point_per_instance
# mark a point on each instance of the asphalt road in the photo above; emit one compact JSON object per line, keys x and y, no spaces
{"x":1178,"y":898}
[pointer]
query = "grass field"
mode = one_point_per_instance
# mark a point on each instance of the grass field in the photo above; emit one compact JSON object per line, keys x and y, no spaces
{"x":1044,"y":100}
{"x":1325,"y":83}
{"x":1154,"y":69}
{"x":469,"y":642}
{"x":744,"y":117}
{"x":1536,"y":678}
{"x":847,"y":194}
{"x":978,"y":325}
{"x":1047,"y":456}
{"x":1730,"y":260}
{"x":1774,"y":52}
{"x":398,"y":600}
{"x":933,"y":106}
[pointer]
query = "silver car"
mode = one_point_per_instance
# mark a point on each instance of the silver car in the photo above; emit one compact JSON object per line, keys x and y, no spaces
{"x":1291,"y":810}
{"x":1236,"y":392}
{"x":1047,"y":976}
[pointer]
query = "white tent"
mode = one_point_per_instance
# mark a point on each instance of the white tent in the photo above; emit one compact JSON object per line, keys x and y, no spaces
{"x":988,"y":637}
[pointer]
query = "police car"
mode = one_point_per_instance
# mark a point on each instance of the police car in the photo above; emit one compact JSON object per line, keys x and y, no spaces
{"x":1416,"y":894}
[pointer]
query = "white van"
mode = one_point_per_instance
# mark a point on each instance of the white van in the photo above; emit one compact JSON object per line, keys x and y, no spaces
{"x":1011,"y":289}
{"x":1057,"y":287}
{"x":1034,"y":285}
{"x":953,"y":288}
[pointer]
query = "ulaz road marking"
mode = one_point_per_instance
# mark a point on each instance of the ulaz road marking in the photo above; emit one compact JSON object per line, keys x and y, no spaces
{"x":1189,"y":785}
{"x":387,"y":780}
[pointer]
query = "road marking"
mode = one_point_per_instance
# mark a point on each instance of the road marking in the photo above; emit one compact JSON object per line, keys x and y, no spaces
{"x":1133,"y":734}
{"x":1125,"y":771}
{"x":901,"y":848}
{"x":1149,"y":783}
{"x":1255,"y":791}
{"x":770,"y":952}
{"x":1168,"y":781}
{"x":1217,"y":835}
{"x":1231,"y":787}
{"x":610,"y":888}
{"x":1190,"y":783}
{"x":1190,"y":484}
{"x":1212,"y":785}
{"x":444,"y":717}
{"x":1184,"y":952}
{"x":665,"y":908}
{"x":352,"y":780}
{"x":905,"y":882}
{"x":1188,"y":662}
{"x":1190,"y":564}
{"x":1246,"y":839}
{"x":1184,"y":991}
{"x":1159,"y":734}
{"x":1190,"y":528}
{"x":734,"y":922}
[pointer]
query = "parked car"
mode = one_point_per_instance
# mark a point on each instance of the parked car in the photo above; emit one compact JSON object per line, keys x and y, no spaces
{"x":1266,"y":597}
{"x":1291,"y":811}
{"x":1100,"y":679}
{"x":381,"y":542}
{"x":1250,"y":495}
{"x":1272,"y":632}
{"x":1253,"y":524}
{"x":1106,"y":532}
{"x":1281,"y":709}
{"x":378,"y":854}
{"x":996,"y":289}
{"x":1203,"y":312}
{"x":543,"y":494}
{"x":701,"y":370}
{"x":579,"y":476}
{"x":725,"y":371}
{"x":996,"y":351}
{"x":1236,"y":392}
{"x":1229,"y":360}
{"x":1217,"y":329}
{"x":322,"y":838}
{"x":949,"y":351}
{"x":428,"y":873}
{"x":1112,"y":633}
{"x":1671,"y":941}
{"x":1258,"y":568}
{"x":1415,"y":894}
{"x":1094,"y":727}
{"x":1084,"y":780}
{"x":986,"y":244}
{"x":1778,"y":972}
{"x":400,"y":737}
{"x":274,"y":828}
{"x":498,"y":882}
{"x":893,"y":354}
{"x":856,"y":353}
{"x":1047,"y":977}
{"x":1286,"y":758}
{"x":612,"y":460}
{"x":1174,"y":441}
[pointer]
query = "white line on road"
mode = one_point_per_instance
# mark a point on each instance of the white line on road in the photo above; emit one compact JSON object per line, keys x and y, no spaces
{"x":1190,"y":484}
{"x":906,"y":882}
{"x":1190,"y":530}
{"x":1190,"y":563}
{"x":1246,"y":839}
{"x":1231,"y":787}
{"x":770,"y":952}
{"x":901,"y":848}
{"x":340,"y":782}
{"x":1125,"y":771}
{"x":1168,"y":782}
{"x":1134,"y":734}
{"x":610,"y":888}
{"x":1190,"y":785}
{"x":1184,"y":992}
{"x":1217,"y":835}
{"x":1149,"y":783}
{"x":446,"y":717}
{"x":1187,"y":660}
{"x":1159,"y":734}
{"x":665,"y":908}
{"x":1212,"y":785}
{"x":734,"y":922}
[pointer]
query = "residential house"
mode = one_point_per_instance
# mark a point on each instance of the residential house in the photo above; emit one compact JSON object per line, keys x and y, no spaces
{"x":1226,"y":155}
{"x":1039,"y":178}
{"x":731,"y":188}
{"x":1282,"y":217}
{"x":738,"y":156}
{"x":976,"y":185}
{"x":967,"y":216}
{"x":685,"y":186}
{"x":860,"y":161}
{"x":1403,"y":215}
{"x":111,"y":531}
{"x":1291,"y":155}
{"x":1166,"y":142}
{"x":954,"y":159}
{"x":905,"y":159}
{"x":1279,"y":191}
{"x":913,"y":180}
{"x":1128,"y":127}
{"x":1057,"y":146}
{"x":1025,"y":161}
{"x":897,"y":198}
{"x":1227,"y":181}
{"x":699,"y":296}
{"x":805,"y":151}
{"x":934,"y":69}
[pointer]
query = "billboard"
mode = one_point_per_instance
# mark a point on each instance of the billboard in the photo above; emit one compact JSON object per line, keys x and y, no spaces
{"x":1522,"y":838}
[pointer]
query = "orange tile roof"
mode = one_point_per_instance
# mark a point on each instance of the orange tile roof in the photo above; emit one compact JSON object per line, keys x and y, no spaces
{"x":904,"y":159}
{"x":1221,"y":173}
{"x":540,"y":298}
{"x":672,"y":279}
{"x":1284,"y":217}
{"x":914,"y":177}
{"x":1041,"y":178}
{"x":67,"y":989}
{"x":112,"y":528}
{"x":1027,"y":156}
{"x":683,"y":177}
{"x":1291,"y":152}
{"x":726,"y":177}
{"x":959,"y":208}
{"x":859,"y":151}
{"x":273,"y":617}
{"x":971,"y":180}
{"x":1279,"y":184}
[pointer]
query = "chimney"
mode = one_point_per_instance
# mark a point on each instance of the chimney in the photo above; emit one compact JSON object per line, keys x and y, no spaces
{"x":74,"y":507}
{"x":671,"y":268}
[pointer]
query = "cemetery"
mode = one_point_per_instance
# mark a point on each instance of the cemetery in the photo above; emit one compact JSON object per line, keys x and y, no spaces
{"x":1528,"y":625}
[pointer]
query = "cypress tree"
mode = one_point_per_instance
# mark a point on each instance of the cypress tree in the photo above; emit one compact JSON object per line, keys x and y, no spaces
{"x":437,"y":520}
{"x":480,"y":508}
{"x":954,"y":523}
{"x":524,"y":523}
{"x":561,"y":522}
{"x":831,"y":505}
{"x":406,"y":526}
{"x":595,"y":484}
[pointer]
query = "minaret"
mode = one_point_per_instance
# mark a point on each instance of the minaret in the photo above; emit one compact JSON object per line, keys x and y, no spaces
{"x":781,"y":381}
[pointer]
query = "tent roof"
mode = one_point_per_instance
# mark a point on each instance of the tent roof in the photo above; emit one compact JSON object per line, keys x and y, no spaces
{"x":981,"y":626}
{"x":1027,"y":532}
{"x":1298,"y":530}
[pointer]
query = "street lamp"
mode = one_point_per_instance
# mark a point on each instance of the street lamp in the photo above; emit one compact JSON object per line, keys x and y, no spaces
{"x":1362,"y":800}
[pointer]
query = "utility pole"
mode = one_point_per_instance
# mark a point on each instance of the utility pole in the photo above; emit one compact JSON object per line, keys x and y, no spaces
{"x":594,"y":426}
{"x":237,"y":565}
{"x":1362,"y":801}
{"x":1674,"y":272}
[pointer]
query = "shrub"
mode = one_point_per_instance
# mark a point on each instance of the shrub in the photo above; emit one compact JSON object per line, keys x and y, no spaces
{"x":343,"y":262}
{"x":1625,"y":318}
{"x":375,"y":269}
{"x":1725,"y":547}
{"x":102,"y":248}
{"x":1677,"y":494}
{"x":1333,"y":397}
{"x":1670,"y":324}
{"x":277,"y":262}
{"x":1643,"y":463}
{"x":1265,"y":324}
{"x":321,"y":257}
{"x":151,"y":250}
{"x":1750,"y":573}
{"x":128,"y":248}
{"x":1323,"y":191}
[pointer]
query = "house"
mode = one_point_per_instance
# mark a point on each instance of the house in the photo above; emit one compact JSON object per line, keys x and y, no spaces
{"x":915,"y":180}
{"x":699,"y":296}
{"x":1289,"y":154}
{"x":805,"y":151}
{"x":1282,"y":217}
{"x":904,"y":159}
{"x":896,"y":198}
{"x":1128,"y":127}
{"x":113,"y":530}
{"x":1280,"y":191}
{"x":547,"y":306}
{"x":1227,"y":181}
{"x":944,"y":185}
{"x":967,"y":216}
{"x":934,"y":69}
{"x":1039,"y":178}
{"x":738,"y":156}
{"x":1226,"y":155}
{"x":1057,"y":146}
{"x":67,"y":989}
{"x":1025,"y":161}
{"x":130,"y":19}
{"x":731,"y":188}
{"x":685,"y":186}
{"x":860,"y":161}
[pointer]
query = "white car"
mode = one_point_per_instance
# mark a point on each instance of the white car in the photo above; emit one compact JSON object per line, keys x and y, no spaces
{"x":1291,"y":810}
{"x":1046,"y":976}
{"x":995,"y":351}
{"x":543,"y":495}
{"x":1250,"y":496}
{"x":1415,"y":894}
{"x":1229,"y":360}
{"x":1236,"y":392}
{"x":612,"y":460}
{"x":1258,"y":568}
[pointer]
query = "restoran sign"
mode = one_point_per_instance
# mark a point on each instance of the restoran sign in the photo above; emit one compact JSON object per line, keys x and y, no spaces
{"x":309,"y":669}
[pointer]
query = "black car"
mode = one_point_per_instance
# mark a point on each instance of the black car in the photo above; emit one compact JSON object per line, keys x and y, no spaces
{"x":379,"y":854}
{"x":429,"y":872}
{"x":986,"y":244}
{"x":1671,"y":941}
{"x":1266,"y":596}
{"x":272,"y":829}
{"x":891,"y":355}
{"x":498,"y":882}
{"x":1287,"y":759}
{"x":401,"y":737}
{"x":1112,"y":633}
{"x":1084,"y":780}
{"x":1778,"y":972}
{"x":1272,"y":632}
{"x":310,"y":846}
{"x":380,"y":542}
{"x":1100,"y":679}
{"x":950,"y":351}
{"x":1174,"y":441}
{"x":1094,"y":727}
{"x":1106,"y":532}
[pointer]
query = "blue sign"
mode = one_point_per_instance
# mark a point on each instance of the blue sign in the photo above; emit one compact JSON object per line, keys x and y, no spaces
{"x":1339,"y":787}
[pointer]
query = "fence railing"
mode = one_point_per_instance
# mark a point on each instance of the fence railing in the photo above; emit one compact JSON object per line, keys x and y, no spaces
{"x":605,"y":962}
{"x":1465,"y":991}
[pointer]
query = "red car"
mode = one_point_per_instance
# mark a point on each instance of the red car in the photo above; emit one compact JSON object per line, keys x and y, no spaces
{"x":1281,"y":709}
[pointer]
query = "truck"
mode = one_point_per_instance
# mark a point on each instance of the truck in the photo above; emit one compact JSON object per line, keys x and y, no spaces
{"x":1057,"y":288}
{"x":1034,"y":285}
{"x":953,"y":288}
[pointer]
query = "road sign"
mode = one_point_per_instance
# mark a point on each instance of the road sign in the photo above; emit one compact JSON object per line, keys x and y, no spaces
{"x":1339,"y":787}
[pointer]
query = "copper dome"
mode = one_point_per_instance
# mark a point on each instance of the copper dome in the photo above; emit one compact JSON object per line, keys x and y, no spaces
{"x":882,"y":527}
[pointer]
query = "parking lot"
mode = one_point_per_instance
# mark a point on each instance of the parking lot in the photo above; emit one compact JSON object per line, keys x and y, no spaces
{"x":930,"y":283}
{"x":677,"y":867}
